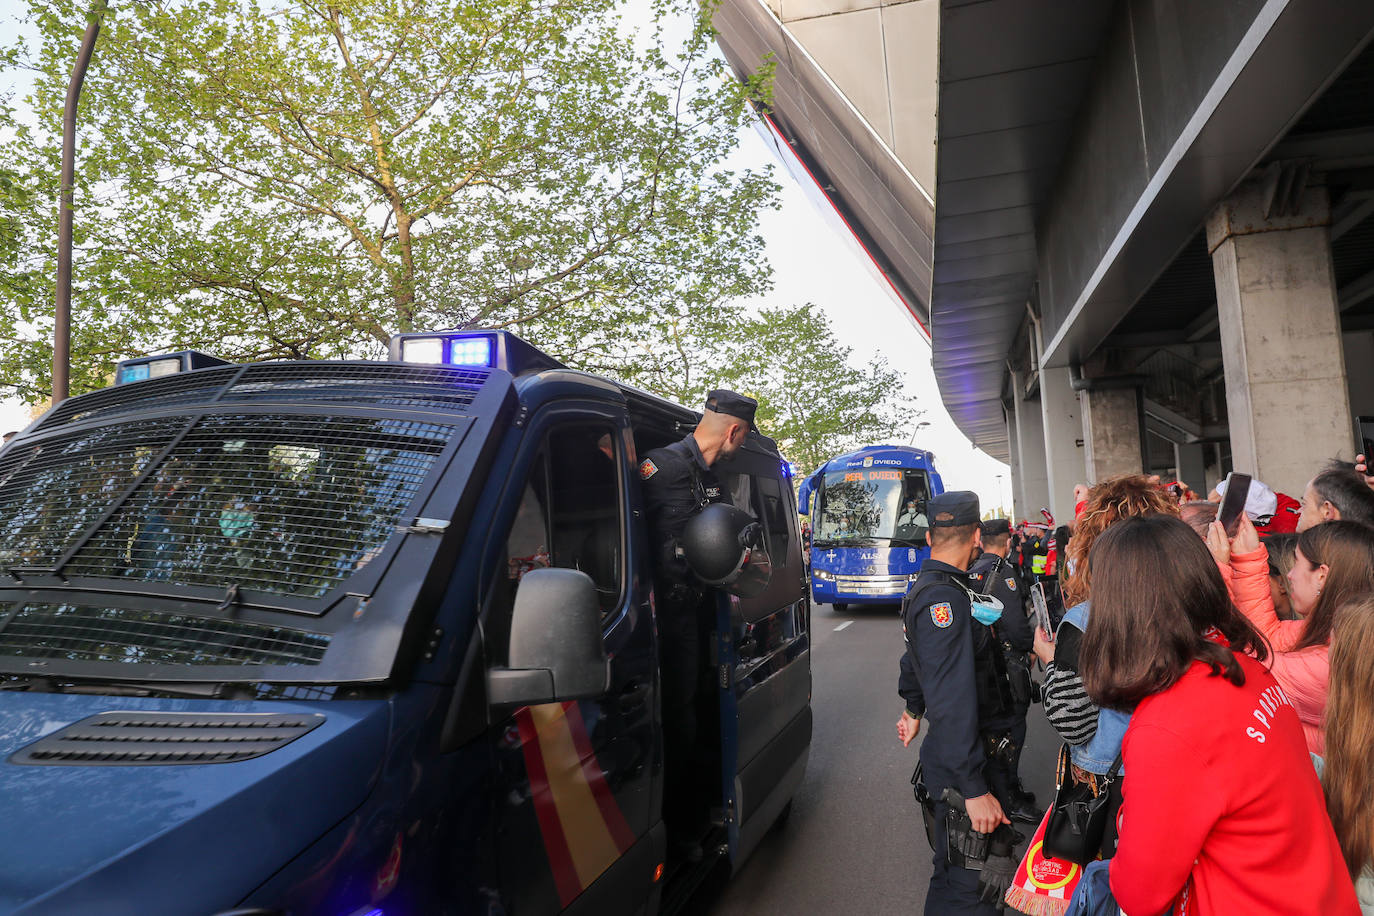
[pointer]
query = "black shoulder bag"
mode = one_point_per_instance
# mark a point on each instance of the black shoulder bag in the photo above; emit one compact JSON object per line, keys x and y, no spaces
{"x":1078,"y":819}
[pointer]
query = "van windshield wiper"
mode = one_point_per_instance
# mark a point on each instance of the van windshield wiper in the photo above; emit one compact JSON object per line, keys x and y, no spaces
{"x":209,"y":690}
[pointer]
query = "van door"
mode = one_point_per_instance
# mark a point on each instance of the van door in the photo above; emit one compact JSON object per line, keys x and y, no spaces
{"x":763,"y":649}
{"x":573,"y":791}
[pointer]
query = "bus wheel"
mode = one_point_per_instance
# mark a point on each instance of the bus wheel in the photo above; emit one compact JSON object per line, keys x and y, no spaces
{"x":839,"y":608}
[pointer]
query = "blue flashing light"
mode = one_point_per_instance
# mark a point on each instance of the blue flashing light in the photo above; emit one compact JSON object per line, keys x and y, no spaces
{"x":135,"y":373}
{"x":488,"y":349}
{"x":470,"y":351}
{"x":789,"y":470}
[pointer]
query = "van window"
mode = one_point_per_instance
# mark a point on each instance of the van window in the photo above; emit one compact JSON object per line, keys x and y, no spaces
{"x":774,"y":506}
{"x":571,"y":515}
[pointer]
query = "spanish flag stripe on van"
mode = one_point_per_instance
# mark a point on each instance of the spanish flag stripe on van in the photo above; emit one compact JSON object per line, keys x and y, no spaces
{"x":596,"y":778}
{"x":583,"y":828}
{"x":555,"y":847}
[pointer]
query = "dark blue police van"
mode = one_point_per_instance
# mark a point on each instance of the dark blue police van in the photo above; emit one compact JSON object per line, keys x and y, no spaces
{"x":367,"y":639}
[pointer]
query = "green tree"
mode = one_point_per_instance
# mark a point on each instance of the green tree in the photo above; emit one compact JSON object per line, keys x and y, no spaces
{"x":304,"y":179}
{"x":813,"y":398}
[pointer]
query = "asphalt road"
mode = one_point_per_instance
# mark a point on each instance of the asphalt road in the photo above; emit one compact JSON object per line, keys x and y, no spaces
{"x":854,"y":842}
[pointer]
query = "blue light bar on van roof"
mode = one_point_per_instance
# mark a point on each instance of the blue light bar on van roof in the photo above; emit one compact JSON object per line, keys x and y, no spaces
{"x":492,"y":349}
{"x":143,"y":368}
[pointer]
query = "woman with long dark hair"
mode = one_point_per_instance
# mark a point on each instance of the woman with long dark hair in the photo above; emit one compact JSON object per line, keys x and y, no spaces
{"x":1350,"y":742}
{"x":1333,"y":563}
{"x":1092,"y":736}
{"x":1223,"y":812}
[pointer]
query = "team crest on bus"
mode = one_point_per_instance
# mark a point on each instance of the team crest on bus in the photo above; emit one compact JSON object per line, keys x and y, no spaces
{"x":647,"y":469}
{"x":868,"y":462}
{"x":942,"y":615}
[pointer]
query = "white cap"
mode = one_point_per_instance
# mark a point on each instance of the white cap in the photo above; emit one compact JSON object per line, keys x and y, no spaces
{"x":1260,"y":502}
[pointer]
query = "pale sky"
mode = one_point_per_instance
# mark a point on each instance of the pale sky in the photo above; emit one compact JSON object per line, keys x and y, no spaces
{"x":815,"y":259}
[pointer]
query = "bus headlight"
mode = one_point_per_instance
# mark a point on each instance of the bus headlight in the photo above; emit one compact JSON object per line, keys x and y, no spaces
{"x":823,"y":575}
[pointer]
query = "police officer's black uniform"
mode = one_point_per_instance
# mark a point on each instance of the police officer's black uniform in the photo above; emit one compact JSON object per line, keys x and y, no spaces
{"x":998,"y":577}
{"x":677,"y":484}
{"x":942,"y":671}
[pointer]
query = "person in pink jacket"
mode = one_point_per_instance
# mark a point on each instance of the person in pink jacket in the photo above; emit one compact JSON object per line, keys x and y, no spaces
{"x":1334,"y":562}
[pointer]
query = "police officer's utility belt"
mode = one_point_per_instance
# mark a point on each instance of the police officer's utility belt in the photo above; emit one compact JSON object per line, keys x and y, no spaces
{"x":964,"y":846}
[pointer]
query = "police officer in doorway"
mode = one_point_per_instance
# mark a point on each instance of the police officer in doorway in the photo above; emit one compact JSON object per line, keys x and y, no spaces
{"x":678,"y":483}
{"x":949,"y":679}
{"x":994,"y":574}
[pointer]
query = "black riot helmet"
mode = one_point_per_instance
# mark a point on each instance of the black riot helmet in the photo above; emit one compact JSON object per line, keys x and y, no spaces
{"x":724,"y":547}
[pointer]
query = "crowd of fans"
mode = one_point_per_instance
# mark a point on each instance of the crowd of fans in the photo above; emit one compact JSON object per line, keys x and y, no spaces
{"x":1220,"y":690}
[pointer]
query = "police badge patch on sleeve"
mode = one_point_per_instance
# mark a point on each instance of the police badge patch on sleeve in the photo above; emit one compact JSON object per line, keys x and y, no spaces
{"x":647,"y":469}
{"x":1011,"y":583}
{"x":942,"y":615}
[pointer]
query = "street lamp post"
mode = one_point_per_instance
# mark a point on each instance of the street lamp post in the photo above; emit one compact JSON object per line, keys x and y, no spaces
{"x":1000,"y":502}
{"x":62,"y":324}
{"x":917,"y":431}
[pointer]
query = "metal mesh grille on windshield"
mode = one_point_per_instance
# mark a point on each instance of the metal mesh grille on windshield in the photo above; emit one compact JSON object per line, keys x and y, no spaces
{"x":51,"y":493}
{"x":430,"y":388}
{"x":104,"y":634}
{"x":283,"y":504}
{"x":169,"y":391}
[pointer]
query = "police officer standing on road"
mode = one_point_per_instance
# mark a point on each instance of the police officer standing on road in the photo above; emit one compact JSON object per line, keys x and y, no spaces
{"x":940,"y":682}
{"x":678,"y":483}
{"x":994,"y":574}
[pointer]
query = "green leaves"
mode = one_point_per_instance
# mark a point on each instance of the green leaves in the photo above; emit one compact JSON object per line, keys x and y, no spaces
{"x":303,"y":179}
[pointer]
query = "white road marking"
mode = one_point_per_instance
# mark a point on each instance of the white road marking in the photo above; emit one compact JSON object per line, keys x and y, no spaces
{"x":843,"y":625}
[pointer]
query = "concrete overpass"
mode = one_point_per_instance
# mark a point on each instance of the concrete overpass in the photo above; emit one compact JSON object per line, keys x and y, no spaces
{"x":1152,"y":239}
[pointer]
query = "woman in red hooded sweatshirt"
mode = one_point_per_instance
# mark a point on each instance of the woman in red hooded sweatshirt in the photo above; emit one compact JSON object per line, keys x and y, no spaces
{"x":1223,"y":813}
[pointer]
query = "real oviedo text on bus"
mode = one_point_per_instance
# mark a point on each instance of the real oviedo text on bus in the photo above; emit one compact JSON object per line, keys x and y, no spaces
{"x":868,"y":523}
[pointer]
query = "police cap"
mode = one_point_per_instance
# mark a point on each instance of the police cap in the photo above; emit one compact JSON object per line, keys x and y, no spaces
{"x":996,"y":528}
{"x":723,"y":400}
{"x":953,"y":509}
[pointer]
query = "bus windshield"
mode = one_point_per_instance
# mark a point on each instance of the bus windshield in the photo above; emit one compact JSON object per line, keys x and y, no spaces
{"x":872,"y":505}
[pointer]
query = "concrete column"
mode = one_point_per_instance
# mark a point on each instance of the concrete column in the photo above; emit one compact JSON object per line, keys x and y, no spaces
{"x":1191,"y":463}
{"x":1113,"y":423}
{"x":1359,"y":367}
{"x":1013,"y":449}
{"x":1280,"y":335}
{"x":1030,"y":441}
{"x":1063,"y":441}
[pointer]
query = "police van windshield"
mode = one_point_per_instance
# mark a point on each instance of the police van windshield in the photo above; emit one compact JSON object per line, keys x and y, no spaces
{"x":872,"y":505}
{"x":288,"y":506}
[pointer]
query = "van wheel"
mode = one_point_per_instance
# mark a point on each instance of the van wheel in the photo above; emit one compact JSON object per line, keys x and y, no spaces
{"x":838,"y":609}
{"x":780,"y":822}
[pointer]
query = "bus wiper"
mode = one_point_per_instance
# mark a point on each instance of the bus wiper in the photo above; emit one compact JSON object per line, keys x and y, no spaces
{"x":906,"y":542}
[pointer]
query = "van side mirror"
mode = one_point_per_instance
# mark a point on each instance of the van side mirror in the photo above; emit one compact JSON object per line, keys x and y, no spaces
{"x":556,"y":652}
